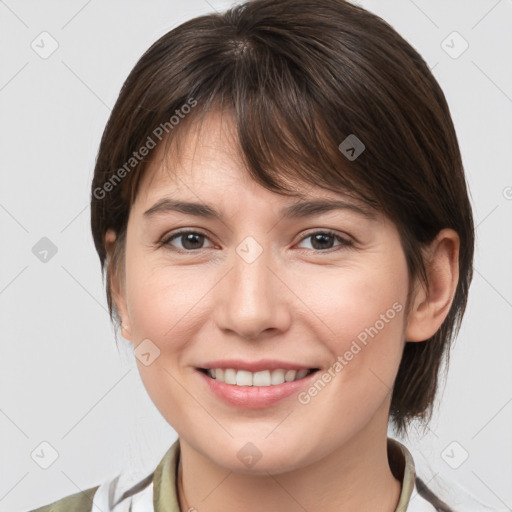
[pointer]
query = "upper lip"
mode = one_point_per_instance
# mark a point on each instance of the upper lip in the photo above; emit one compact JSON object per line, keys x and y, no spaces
{"x":255,"y":366}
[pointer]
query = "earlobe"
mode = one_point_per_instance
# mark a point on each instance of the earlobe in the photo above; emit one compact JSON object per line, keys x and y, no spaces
{"x":125,"y":331}
{"x":116,"y":287}
{"x":432,"y":303}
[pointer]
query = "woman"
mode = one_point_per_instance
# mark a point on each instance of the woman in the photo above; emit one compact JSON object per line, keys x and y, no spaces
{"x":281,"y":210}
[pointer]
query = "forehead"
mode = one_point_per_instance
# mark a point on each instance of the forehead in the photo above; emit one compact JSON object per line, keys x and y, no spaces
{"x":201,"y":152}
{"x":205,"y":158}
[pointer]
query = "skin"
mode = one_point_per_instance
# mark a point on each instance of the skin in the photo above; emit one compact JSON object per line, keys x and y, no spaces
{"x":298,"y":301}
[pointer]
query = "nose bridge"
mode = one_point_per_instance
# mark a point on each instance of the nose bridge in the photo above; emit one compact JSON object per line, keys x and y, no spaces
{"x":251,"y":301}
{"x":250,"y":280}
{"x":250,"y":272}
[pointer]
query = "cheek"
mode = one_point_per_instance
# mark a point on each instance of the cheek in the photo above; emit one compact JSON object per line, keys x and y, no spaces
{"x":160,"y":299}
{"x":364,"y":313}
{"x":356,"y":299}
{"x":162,"y":304}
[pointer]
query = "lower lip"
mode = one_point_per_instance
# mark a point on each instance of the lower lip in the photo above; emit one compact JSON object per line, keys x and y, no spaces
{"x":255,"y":397}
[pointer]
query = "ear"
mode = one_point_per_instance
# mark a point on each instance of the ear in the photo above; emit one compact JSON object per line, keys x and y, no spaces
{"x":117,"y":287}
{"x":432,"y":303}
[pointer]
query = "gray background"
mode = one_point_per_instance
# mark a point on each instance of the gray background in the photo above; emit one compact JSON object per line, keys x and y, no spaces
{"x":63,"y":381}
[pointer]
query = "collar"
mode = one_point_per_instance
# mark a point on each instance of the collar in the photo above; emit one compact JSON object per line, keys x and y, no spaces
{"x":165,"y":498}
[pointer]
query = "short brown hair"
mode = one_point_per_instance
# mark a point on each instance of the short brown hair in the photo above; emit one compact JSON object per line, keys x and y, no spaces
{"x":299,"y":77}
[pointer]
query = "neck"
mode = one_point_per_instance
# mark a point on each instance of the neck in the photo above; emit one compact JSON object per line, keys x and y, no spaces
{"x":354,"y":477}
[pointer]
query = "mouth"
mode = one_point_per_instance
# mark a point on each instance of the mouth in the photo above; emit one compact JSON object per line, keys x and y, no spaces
{"x":247,"y":390}
{"x":264,"y":378}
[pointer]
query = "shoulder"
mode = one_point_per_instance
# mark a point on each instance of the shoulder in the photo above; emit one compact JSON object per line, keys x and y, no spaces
{"x":128,"y":490}
{"x":78,"y":502}
{"x":107,"y":496}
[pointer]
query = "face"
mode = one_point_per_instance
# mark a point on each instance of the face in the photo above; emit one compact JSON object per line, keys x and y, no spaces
{"x":325,"y":290}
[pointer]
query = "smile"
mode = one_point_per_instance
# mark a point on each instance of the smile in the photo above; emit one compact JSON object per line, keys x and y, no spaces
{"x":250,"y":390}
{"x":258,"y":379}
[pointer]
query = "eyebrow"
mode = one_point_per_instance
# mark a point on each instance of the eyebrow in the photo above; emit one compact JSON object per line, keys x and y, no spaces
{"x":296,"y":210}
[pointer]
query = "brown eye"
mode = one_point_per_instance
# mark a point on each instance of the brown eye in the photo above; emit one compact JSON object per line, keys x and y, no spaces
{"x":323,"y":240}
{"x":190,"y":240}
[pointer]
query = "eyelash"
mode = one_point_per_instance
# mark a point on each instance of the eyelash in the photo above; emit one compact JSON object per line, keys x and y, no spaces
{"x":344,"y":242}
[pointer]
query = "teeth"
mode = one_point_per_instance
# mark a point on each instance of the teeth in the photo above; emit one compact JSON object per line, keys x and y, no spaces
{"x":229,"y":376}
{"x":301,"y":374}
{"x":258,"y":379}
{"x":290,"y":375}
{"x":277,"y":377}
{"x":243,"y":378}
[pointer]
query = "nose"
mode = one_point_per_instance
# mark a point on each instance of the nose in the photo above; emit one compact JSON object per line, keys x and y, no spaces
{"x":251,"y":300}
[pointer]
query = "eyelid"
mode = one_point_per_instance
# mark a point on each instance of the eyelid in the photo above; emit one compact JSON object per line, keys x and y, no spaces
{"x":165,"y":241}
{"x":326,"y":231}
{"x":345,"y":240}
